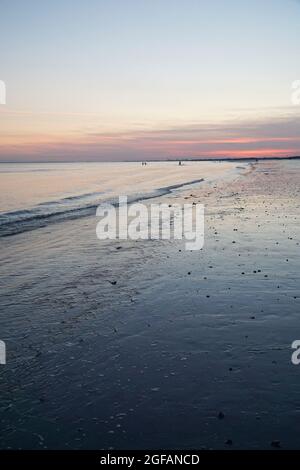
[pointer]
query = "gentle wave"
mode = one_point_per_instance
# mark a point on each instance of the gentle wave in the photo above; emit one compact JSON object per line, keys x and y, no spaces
{"x":72,"y":207}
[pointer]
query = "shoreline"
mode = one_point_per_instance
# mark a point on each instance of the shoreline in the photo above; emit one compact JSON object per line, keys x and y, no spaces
{"x":83,"y":205}
{"x":175,"y":159}
{"x":132,"y":345}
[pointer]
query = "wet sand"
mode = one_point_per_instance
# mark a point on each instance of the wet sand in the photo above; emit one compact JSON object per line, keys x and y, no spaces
{"x":128,"y":345}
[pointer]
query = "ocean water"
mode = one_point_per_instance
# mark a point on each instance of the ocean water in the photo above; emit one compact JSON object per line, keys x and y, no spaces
{"x":34,"y":195}
{"x":131,"y":344}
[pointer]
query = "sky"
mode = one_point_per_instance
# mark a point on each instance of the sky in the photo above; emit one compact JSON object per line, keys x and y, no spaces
{"x":115,"y":80}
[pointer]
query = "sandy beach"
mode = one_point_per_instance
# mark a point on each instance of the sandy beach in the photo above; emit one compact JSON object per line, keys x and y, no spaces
{"x":141,"y":344}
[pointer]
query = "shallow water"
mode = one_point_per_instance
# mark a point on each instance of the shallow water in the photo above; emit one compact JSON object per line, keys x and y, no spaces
{"x":35,"y":195}
{"x":151,"y":361}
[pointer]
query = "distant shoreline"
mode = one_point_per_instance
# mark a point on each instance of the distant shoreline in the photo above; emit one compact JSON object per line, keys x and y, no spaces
{"x":234,"y":159}
{"x":184,"y":159}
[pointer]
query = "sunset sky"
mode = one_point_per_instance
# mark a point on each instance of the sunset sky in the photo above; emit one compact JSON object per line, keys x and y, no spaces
{"x":148,"y":79}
